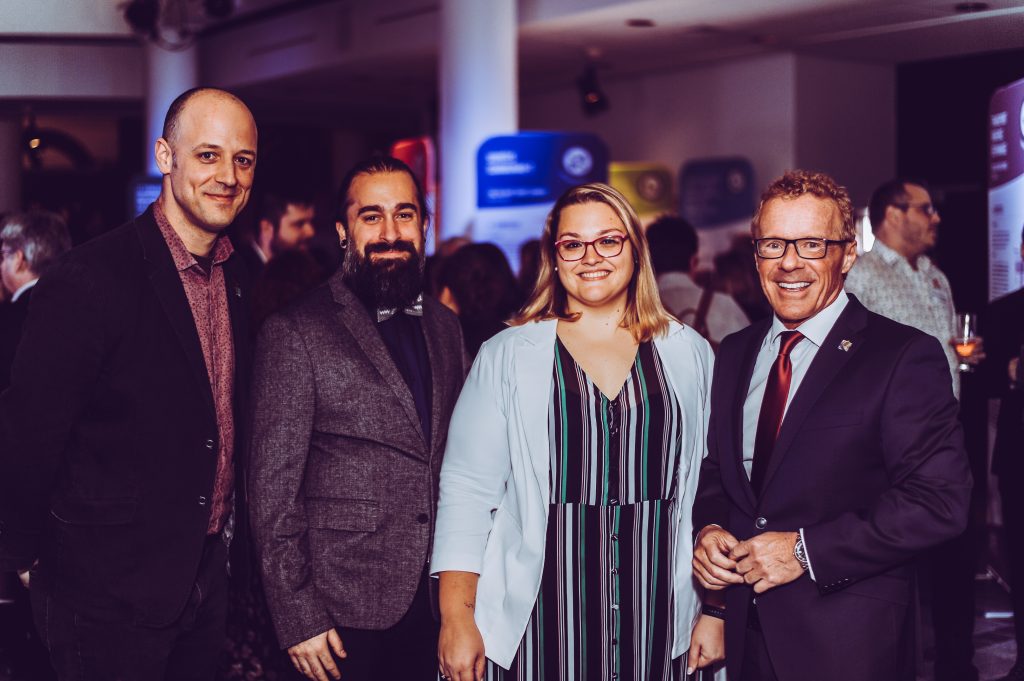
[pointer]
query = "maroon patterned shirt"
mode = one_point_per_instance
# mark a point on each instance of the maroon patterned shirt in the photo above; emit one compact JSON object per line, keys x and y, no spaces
{"x":208,"y":299}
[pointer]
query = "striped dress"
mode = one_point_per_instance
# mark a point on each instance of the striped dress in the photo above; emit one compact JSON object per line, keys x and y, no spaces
{"x":604,"y":612}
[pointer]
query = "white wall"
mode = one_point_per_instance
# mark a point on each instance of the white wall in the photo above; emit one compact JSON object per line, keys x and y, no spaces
{"x":69,"y":71}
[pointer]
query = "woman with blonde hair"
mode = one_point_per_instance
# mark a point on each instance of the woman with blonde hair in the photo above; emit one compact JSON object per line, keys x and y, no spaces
{"x":563,"y":540}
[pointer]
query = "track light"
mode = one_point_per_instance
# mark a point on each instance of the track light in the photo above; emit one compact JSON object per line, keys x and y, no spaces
{"x":592,"y":97}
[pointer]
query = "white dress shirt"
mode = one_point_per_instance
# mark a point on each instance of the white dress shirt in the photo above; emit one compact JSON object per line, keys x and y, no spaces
{"x":680,"y":293}
{"x":814,"y":331}
{"x":24,"y":287}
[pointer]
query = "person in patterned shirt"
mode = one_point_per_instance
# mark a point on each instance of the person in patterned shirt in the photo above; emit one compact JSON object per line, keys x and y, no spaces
{"x":897,"y":280}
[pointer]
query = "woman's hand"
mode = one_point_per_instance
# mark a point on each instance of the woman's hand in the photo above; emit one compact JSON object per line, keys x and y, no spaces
{"x":707,"y":643}
{"x":460,"y":650}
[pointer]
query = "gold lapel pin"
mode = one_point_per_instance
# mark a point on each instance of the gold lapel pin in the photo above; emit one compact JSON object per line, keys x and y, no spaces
{"x":845,"y":345}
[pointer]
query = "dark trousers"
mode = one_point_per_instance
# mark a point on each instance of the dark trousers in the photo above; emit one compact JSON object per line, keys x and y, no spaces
{"x":1013,"y":531}
{"x":951,"y":573}
{"x":84,"y":647}
{"x":406,"y":651}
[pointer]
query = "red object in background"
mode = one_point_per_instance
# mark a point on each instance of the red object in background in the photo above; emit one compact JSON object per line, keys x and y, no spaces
{"x":419,"y":154}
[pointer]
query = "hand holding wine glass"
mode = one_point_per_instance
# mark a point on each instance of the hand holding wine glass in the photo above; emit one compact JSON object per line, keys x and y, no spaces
{"x":966,"y":342}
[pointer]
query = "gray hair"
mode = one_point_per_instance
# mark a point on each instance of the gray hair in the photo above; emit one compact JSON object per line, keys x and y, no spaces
{"x":39,"y":234}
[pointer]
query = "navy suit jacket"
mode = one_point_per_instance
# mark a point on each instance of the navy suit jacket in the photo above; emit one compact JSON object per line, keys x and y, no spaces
{"x":106,"y":433}
{"x":870,"y":463}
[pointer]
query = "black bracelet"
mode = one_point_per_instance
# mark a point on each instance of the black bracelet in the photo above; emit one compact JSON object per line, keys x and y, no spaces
{"x":713,"y":611}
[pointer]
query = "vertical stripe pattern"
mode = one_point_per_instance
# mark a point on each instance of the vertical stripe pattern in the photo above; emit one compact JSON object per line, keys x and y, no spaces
{"x":604,"y":611}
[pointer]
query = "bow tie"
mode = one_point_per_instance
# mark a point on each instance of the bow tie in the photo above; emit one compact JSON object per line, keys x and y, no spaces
{"x":415,"y":309}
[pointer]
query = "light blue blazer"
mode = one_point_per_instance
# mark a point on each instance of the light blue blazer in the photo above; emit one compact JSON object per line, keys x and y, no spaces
{"x":492,"y":511}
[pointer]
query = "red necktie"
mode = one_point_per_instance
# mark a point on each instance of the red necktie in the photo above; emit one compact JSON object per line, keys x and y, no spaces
{"x":773,"y":405}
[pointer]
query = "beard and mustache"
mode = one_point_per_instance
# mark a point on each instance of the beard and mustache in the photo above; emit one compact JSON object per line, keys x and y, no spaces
{"x":386,"y":283}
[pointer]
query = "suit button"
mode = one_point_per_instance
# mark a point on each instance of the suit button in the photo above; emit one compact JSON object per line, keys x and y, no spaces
{"x":422,"y":518}
{"x":209,"y":444}
{"x":202,"y":501}
{"x":761,"y":523}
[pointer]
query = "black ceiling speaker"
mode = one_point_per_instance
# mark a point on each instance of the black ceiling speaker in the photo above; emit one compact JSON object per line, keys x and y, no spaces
{"x":592,"y":97}
{"x":142,"y":15}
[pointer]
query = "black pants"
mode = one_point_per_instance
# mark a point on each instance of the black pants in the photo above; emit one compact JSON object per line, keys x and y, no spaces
{"x":406,"y":651}
{"x":951,"y":572}
{"x":1013,"y":531}
{"x":88,"y":648}
{"x":757,"y":664}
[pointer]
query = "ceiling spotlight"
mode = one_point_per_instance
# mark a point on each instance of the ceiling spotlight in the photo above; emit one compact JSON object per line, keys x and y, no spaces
{"x":640,"y":23}
{"x":592,"y":97}
{"x":218,"y":9}
{"x":142,"y":15}
{"x":970,"y":7}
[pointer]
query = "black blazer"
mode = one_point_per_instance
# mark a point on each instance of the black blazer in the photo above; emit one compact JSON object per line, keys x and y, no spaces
{"x":1004,"y":336}
{"x":12,"y":321}
{"x":870,"y":463}
{"x":107,"y":462}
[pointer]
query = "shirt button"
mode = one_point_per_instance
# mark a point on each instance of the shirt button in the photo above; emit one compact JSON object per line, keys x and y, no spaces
{"x":615,"y":606}
{"x":615,"y":571}
{"x":613,"y":502}
{"x":422,"y":518}
{"x":761,"y":523}
{"x":209,"y":444}
{"x":202,"y":501}
{"x":615,"y":537}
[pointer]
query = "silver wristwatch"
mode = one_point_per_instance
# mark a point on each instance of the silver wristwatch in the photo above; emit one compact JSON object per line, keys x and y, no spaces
{"x":800,"y":553}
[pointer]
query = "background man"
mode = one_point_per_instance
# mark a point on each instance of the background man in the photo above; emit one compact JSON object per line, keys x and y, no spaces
{"x":353,"y":389}
{"x":897,"y":280}
{"x":835,"y":455}
{"x":285,"y":223}
{"x":119,"y":428}
{"x":29,"y":243}
{"x":1004,"y":335}
{"x":673,"y":243}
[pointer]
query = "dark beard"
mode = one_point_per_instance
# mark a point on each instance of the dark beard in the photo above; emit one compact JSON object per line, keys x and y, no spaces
{"x":387,"y":283}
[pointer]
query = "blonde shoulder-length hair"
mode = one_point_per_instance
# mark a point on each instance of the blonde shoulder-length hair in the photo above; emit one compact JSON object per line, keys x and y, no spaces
{"x":645,"y":317}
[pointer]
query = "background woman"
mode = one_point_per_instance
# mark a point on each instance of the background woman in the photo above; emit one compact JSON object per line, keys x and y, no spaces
{"x":563,"y":536}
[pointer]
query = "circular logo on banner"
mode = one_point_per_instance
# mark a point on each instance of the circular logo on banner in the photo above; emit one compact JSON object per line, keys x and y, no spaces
{"x":736,"y":181}
{"x":650,"y":187}
{"x":577,"y":161}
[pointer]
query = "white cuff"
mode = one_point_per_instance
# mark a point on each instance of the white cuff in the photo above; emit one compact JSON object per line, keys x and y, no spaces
{"x":810,"y":566}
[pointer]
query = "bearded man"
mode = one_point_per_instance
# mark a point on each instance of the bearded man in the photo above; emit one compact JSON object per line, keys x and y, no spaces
{"x":353,"y":388}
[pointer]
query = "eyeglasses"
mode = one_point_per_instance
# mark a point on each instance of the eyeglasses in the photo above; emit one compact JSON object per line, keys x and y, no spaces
{"x":810,"y":248}
{"x":607,"y":246}
{"x":926,"y":208}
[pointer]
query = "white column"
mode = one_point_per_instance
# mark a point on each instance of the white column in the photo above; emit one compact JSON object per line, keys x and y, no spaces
{"x":170,"y":74}
{"x":479,"y":98}
{"x":10,"y":161}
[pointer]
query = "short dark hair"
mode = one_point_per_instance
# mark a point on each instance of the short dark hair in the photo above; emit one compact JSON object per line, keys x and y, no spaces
{"x":673,"y":243}
{"x":890,"y":193}
{"x":39,"y":234}
{"x":372,"y":166}
{"x":274,"y":204}
{"x":174,"y":111}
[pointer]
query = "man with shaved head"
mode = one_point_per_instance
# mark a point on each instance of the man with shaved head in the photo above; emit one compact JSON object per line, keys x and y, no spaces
{"x":119,"y":433}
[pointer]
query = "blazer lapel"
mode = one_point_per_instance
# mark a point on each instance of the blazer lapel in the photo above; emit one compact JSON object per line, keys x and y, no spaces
{"x":534,"y":364}
{"x":438,"y":371}
{"x":738,"y":399}
{"x":355,"y":318}
{"x":829,"y":361}
{"x":171,"y":293}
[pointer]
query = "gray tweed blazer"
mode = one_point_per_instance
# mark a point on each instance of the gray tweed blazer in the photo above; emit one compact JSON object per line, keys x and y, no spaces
{"x":342,"y":485}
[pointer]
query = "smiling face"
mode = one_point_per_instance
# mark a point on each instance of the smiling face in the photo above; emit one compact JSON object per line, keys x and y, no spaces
{"x":594,"y":281}
{"x":208,"y":163}
{"x":797,"y":288}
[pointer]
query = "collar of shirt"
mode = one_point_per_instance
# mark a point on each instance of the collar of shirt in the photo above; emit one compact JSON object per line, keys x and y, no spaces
{"x":817,"y":328}
{"x":893,"y":258}
{"x":183,"y":260}
{"x":259,"y":252}
{"x":24,"y":287}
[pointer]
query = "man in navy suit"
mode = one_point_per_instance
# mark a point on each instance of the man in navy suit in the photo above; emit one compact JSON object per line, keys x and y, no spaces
{"x":835,"y":457}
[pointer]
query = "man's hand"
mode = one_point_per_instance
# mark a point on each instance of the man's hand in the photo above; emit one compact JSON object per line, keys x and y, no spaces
{"x":313,"y":656}
{"x":24,"y":576}
{"x":707,"y":643}
{"x":1011,"y":370}
{"x":712,"y":565}
{"x":767,"y":561}
{"x":460,"y":650}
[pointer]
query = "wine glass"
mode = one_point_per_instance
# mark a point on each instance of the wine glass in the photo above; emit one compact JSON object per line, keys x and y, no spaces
{"x":966,"y":340}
